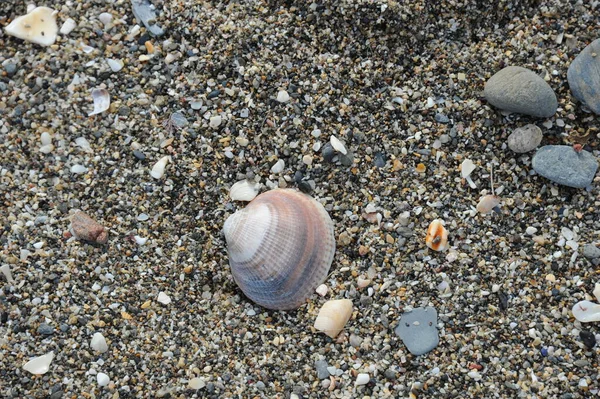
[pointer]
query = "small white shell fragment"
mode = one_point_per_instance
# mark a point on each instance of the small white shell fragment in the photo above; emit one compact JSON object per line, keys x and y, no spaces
{"x":466,"y":168}
{"x":244,"y":190}
{"x":196,"y":383}
{"x":115,"y":65}
{"x":140,"y":240}
{"x":586,"y":311}
{"x":83,"y":143}
{"x":487,"y":203}
{"x":362,"y":282}
{"x":170,"y":58}
{"x":103,"y":379}
{"x":597,"y":291}
{"x":278,"y":167}
{"x":322,"y":290}
{"x":158,"y":170}
{"x":101,"y":101}
{"x":78,"y":169}
{"x":86,"y":49}
{"x":98,"y":343}
{"x":362,"y":379}
{"x":5,"y":269}
{"x":39,"y":365}
{"x":215,"y":121}
{"x":163,"y":298}
{"x":46,"y":141}
{"x":37,"y":26}
{"x":47,"y":149}
{"x":333,"y":316}
{"x":105,"y":18}
{"x":338,"y":145}
{"x":68,"y":26}
{"x":283,"y":96}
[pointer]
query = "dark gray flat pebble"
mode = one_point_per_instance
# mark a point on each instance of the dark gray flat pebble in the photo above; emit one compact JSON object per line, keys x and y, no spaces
{"x":45,"y":329}
{"x":583,"y":76}
{"x":563,"y":165}
{"x":418,"y":330}
{"x":590,"y":251}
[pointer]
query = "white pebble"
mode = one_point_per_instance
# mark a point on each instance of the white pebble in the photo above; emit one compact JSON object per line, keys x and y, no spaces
{"x":196,"y":383}
{"x":83,"y":143}
{"x":78,"y":169}
{"x":103,"y":379}
{"x":115,"y":65}
{"x":140,"y":240}
{"x":531,"y":230}
{"x":283,"y":96}
{"x":68,"y":26}
{"x":338,"y":145}
{"x":215,"y":121}
{"x":307,"y":160}
{"x":362,"y":379}
{"x":5,"y":269}
{"x":105,"y":18}
{"x":158,"y":170}
{"x":45,"y":138}
{"x":322,"y":290}
{"x":39,"y":365}
{"x":163,"y":298}
{"x":278,"y":167}
{"x":98,"y":343}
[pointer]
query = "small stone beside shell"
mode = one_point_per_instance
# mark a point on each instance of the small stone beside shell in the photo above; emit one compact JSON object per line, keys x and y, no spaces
{"x":85,"y":228}
{"x":333,"y":316}
{"x":437,"y":236}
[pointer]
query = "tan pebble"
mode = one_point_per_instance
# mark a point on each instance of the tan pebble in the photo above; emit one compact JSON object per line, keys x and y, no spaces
{"x":421,"y":168}
{"x":487,"y":203}
{"x":146,"y":304}
{"x":85,"y":228}
{"x":389,"y":239}
{"x":363,"y":250}
{"x":397,"y":165}
{"x":149,"y":47}
{"x":344,"y":239}
{"x":188,"y":269}
{"x":126,"y":316}
{"x":551,"y":278}
{"x":362,"y":282}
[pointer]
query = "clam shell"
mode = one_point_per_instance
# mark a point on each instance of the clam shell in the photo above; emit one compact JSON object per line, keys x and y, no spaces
{"x":437,"y":236}
{"x":586,"y":311}
{"x":280,"y":248}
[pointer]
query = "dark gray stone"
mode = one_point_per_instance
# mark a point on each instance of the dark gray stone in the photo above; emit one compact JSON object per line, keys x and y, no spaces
{"x":441,"y":118}
{"x":213,"y":94}
{"x":418,"y":330}
{"x":520,"y":90}
{"x":45,"y":329}
{"x":563,"y":165}
{"x":525,"y":138}
{"x":328,"y":152}
{"x":584,"y":76}
{"x":590,"y":251}
{"x":139,"y":155}
{"x":321,"y":368}
{"x":10,"y":68}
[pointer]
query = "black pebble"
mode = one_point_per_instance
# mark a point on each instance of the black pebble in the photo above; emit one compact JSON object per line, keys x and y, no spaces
{"x":588,"y":339}
{"x":503,"y":300}
{"x":328,"y":152}
{"x":213,"y":94}
{"x":305,"y":187}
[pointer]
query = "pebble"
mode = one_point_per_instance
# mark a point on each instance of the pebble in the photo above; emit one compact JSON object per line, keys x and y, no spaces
{"x":563,"y":165}
{"x":98,"y":343}
{"x":418,"y":330}
{"x":103,"y":379}
{"x":39,"y":365}
{"x":362,"y":379}
{"x":278,"y":167}
{"x":158,"y":170}
{"x":215,"y":121}
{"x":144,"y":12}
{"x":115,"y":65}
{"x":588,"y":338}
{"x":328,"y":152}
{"x":87,"y":229}
{"x":591,"y":251}
{"x":338,"y":145}
{"x":525,"y":138}
{"x":68,"y":26}
{"x":196,"y":383}
{"x":163,"y":298}
{"x":520,"y":90}
{"x":283,"y":96}
{"x":45,"y":329}
{"x":10,"y":68}
{"x":321,"y":368}
{"x":139,"y":155}
{"x":441,"y":118}
{"x":583,"y":76}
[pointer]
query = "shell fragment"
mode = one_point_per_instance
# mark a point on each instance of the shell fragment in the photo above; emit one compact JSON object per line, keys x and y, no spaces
{"x":333,"y":316}
{"x":38,"y":26}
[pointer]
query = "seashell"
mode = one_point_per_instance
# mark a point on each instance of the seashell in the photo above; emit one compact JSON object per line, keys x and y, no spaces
{"x":101,"y":101}
{"x":487,"y":203}
{"x":158,"y":170}
{"x":333,"y":316}
{"x":68,"y":26}
{"x":86,"y":228}
{"x":437,"y":236}
{"x":322,"y":290}
{"x":280,"y":248}
{"x":39,"y":365}
{"x":244,"y":190}
{"x":37,"y":26}
{"x":338,"y":145}
{"x":466,"y":168}
{"x":586,"y":311}
{"x":103,"y":379}
{"x":597,"y":291}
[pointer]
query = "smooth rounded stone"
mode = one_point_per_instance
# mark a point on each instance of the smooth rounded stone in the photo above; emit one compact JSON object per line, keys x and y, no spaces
{"x":590,"y":251}
{"x":103,"y":379}
{"x":321,"y":368}
{"x":520,"y":90}
{"x":588,"y":338}
{"x":525,"y":138}
{"x":418,"y":330}
{"x":45,"y":329}
{"x":362,"y":379}
{"x":10,"y":68}
{"x":563,"y":165}
{"x":583,"y":76}
{"x":328,"y":152}
{"x":441,"y":118}
{"x":39,"y":365}
{"x":85,"y":228}
{"x":139,"y":155}
{"x":213,"y":94}
{"x":98,"y":343}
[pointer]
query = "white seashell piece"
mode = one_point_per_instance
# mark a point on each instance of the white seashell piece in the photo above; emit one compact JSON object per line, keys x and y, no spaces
{"x":322,"y":290}
{"x":338,"y":145}
{"x":39,"y":365}
{"x":115,"y":65}
{"x":68,"y":26}
{"x":466,"y":168}
{"x":283,"y":96}
{"x":244,"y":190}
{"x":278,"y":166}
{"x":163,"y":298}
{"x":487,"y":203}
{"x":280,"y":248}
{"x":98,"y":343}
{"x":5,"y":269}
{"x":101,"y":101}
{"x":597,"y":291}
{"x":103,"y":379}
{"x":586,"y":311}
{"x":158,"y":170}
{"x":37,"y":26}
{"x":333,"y":316}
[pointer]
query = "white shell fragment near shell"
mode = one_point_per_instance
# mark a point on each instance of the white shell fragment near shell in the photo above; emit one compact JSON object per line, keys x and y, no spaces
{"x":586,"y":311}
{"x":38,"y":26}
{"x":39,"y":365}
{"x":280,"y":248}
{"x":333,"y":316}
{"x":101,"y":101}
{"x":244,"y":190}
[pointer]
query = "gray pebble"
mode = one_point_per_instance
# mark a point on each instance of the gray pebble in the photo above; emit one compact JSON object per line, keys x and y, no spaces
{"x":418,"y":330}
{"x":583,"y":76}
{"x":520,"y":90}
{"x":213,"y":94}
{"x":590,"y":251}
{"x":10,"y":68}
{"x":379,"y":160}
{"x":390,"y":374}
{"x":321,"y":368}
{"x":525,"y":138}
{"x":355,"y":340}
{"x":563,"y":165}
{"x":441,"y":118}
{"x":139,"y":155}
{"x":45,"y":329}
{"x":260,"y":386}
{"x":328,"y":152}
{"x":144,"y":12}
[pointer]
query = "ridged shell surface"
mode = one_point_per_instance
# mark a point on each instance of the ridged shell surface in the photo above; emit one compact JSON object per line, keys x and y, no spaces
{"x":280,"y":248}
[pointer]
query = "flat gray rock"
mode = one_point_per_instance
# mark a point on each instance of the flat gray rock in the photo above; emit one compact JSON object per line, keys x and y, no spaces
{"x":525,"y":138}
{"x":563,"y":165}
{"x":144,"y":12}
{"x":590,"y":251}
{"x":520,"y":90}
{"x":584,"y":76}
{"x":418,"y":330}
